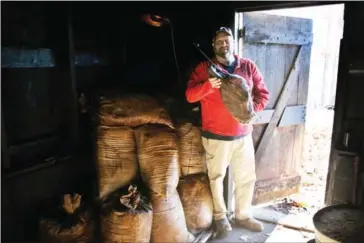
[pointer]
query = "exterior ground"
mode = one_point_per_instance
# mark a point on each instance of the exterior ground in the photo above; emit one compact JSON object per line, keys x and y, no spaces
{"x":315,"y":159}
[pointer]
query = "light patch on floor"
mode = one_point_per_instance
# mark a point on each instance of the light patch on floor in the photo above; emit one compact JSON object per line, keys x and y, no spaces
{"x":271,"y":233}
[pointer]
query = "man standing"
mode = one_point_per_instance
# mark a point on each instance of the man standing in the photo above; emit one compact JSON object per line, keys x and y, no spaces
{"x":226,"y":141}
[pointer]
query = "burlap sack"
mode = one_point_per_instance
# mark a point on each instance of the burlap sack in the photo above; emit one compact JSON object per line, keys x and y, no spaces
{"x":71,"y":222}
{"x":196,"y":198}
{"x":236,"y":95}
{"x":191,"y":151}
{"x":169,"y":224}
{"x":132,"y":110}
{"x":127,"y":219}
{"x":158,"y":158}
{"x":117,"y":161}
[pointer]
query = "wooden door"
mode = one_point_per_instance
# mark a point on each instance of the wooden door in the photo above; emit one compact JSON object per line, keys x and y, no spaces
{"x":280,"y":46}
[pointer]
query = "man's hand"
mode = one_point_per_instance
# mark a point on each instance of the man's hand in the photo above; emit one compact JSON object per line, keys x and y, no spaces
{"x":215,"y":82}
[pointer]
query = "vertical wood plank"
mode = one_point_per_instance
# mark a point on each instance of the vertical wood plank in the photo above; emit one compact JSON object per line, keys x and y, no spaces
{"x":286,"y":147}
{"x":268,"y":165}
{"x":72,"y":71}
{"x":266,"y":139}
{"x":4,"y":143}
{"x":303,"y":82}
{"x":260,"y":61}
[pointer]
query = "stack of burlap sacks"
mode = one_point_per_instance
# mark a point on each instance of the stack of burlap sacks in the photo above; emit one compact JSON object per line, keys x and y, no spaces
{"x":137,"y":139}
{"x":137,"y":144}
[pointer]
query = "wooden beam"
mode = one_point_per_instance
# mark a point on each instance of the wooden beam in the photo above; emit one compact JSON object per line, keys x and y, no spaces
{"x":26,"y":58}
{"x":255,"y":35}
{"x":292,"y":115}
{"x":72,"y":72}
{"x":33,"y":145}
{"x":44,"y":58}
{"x":252,"y":6}
{"x":281,"y":103}
{"x":289,"y":226}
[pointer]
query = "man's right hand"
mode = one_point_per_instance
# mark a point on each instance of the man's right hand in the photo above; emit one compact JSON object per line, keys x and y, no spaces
{"x":215,"y":82}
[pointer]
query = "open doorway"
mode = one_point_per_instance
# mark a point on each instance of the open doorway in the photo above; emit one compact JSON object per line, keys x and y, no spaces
{"x":297,"y":51}
{"x":327,"y":29}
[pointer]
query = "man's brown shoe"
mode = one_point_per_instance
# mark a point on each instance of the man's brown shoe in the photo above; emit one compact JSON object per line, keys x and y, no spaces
{"x":222,"y":227}
{"x":250,"y":224}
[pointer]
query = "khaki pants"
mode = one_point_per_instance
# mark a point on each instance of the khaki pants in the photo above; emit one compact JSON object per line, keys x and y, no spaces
{"x":240,"y":154}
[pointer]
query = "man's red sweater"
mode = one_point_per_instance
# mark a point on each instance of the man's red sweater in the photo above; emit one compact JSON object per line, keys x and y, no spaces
{"x":216,"y":119}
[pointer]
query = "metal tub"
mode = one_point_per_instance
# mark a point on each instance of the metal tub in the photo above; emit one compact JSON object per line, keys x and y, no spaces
{"x":321,"y":237}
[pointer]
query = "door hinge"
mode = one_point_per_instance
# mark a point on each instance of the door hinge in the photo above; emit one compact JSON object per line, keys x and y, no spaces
{"x":241,"y":33}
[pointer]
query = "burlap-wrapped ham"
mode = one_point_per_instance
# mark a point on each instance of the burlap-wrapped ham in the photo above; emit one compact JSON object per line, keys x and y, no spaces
{"x":191,"y":151}
{"x":117,"y":161}
{"x":236,"y":95}
{"x":72,"y":221}
{"x":158,"y":158}
{"x":131,"y":110}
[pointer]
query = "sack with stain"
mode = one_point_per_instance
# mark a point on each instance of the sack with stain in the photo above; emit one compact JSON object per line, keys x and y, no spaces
{"x":236,"y":95}
{"x":117,"y":161}
{"x":196,"y":198}
{"x":126,"y":218}
{"x":169,"y":224}
{"x":132,"y":110}
{"x":72,"y":222}
{"x":158,"y":158}
{"x":191,"y":151}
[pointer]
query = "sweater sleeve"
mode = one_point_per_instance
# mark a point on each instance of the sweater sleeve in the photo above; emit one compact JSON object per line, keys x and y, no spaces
{"x":260,"y":91}
{"x":198,"y":86}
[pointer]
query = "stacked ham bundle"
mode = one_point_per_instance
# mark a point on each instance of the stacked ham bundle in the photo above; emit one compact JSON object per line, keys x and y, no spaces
{"x":139,"y":147}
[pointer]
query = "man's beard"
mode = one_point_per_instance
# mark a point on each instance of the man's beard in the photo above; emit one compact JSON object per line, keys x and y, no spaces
{"x":225,"y":55}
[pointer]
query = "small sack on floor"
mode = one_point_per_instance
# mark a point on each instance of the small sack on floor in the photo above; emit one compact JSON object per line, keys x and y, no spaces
{"x":169,"y":223}
{"x":70,"y":222}
{"x":196,"y":198}
{"x":126,"y":218}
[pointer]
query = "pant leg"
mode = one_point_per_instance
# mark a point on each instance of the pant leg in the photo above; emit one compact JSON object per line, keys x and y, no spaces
{"x":218,"y":157}
{"x":243,"y":166}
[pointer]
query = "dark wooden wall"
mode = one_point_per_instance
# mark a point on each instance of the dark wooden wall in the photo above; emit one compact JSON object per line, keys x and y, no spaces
{"x":46,"y":140}
{"x":349,"y":112}
{"x":43,"y":125}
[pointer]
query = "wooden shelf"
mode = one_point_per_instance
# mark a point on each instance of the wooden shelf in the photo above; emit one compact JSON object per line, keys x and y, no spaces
{"x":45,"y":164}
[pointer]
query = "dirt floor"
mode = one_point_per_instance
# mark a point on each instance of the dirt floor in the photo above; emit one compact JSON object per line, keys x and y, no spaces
{"x":315,"y":159}
{"x":271,"y":233}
